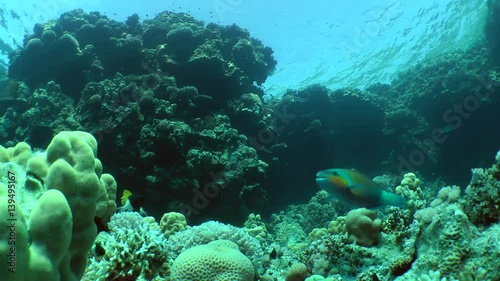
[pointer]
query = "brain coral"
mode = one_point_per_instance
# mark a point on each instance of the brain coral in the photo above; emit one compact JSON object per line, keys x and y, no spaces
{"x":210,"y":231}
{"x":219,"y":260}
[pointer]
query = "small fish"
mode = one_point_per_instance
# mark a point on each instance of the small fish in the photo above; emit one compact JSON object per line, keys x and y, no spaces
{"x":126,"y":194}
{"x":131,"y":202}
{"x":356,"y":190}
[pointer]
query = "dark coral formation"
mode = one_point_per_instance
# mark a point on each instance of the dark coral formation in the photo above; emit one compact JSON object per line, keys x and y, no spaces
{"x":316,"y":128}
{"x":80,"y":48}
{"x":482,"y":196}
{"x":189,"y":49}
{"x":430,"y":119}
{"x":440,"y":110}
{"x":157,"y":95}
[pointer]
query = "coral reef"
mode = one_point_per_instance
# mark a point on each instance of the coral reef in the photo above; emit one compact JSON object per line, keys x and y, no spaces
{"x":432,"y":239}
{"x":149,"y":89}
{"x":179,"y":112}
{"x":450,"y":242}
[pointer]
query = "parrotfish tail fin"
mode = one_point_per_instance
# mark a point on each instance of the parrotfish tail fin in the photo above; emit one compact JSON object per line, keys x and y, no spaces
{"x":392,"y":199}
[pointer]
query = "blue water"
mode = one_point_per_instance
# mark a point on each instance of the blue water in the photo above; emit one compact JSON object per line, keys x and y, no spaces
{"x":335,"y":43}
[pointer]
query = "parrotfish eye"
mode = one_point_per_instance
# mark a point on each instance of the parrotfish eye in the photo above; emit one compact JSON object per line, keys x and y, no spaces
{"x":334,"y":173}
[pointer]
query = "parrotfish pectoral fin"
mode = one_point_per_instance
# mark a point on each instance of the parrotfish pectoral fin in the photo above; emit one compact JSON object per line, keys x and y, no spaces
{"x":391,"y":199}
{"x":330,"y":196}
{"x":362,"y":190}
{"x":356,"y":186}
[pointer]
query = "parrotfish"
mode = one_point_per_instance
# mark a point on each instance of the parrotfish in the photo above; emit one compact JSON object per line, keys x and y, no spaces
{"x":356,"y":190}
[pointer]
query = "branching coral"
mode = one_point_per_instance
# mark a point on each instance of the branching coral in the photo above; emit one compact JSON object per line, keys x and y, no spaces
{"x":133,"y":248}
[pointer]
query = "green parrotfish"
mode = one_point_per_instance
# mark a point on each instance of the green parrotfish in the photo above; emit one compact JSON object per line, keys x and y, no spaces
{"x":356,"y":190}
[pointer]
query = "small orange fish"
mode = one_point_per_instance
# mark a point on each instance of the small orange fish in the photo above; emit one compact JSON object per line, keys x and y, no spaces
{"x":356,"y":190}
